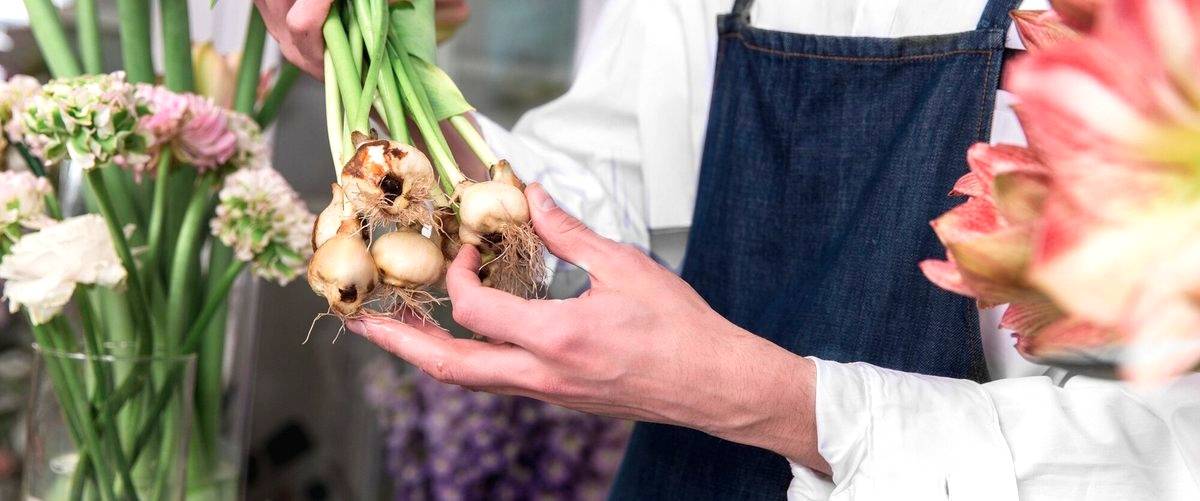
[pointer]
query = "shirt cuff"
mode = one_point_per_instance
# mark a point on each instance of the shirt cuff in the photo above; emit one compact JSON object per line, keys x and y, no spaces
{"x":894,"y":435}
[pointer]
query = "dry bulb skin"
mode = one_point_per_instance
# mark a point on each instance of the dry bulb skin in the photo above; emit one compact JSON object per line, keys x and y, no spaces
{"x":409,"y":264}
{"x":389,"y":182}
{"x":343,"y":272}
{"x":494,"y":216}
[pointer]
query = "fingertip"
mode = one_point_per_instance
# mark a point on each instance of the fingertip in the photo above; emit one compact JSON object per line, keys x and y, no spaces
{"x":538,"y":197}
{"x":468,"y":257}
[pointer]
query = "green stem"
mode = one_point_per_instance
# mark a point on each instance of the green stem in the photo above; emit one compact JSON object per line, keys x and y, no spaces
{"x":343,"y":60}
{"x":51,"y":38}
{"x":474,"y":140}
{"x":158,"y":213}
{"x":177,"y":46}
{"x":141,"y":315}
{"x":72,"y":399}
{"x":162,"y":397}
{"x":135,"y":40}
{"x":186,"y":249}
{"x":87,"y":29}
{"x":210,"y":355}
{"x":120,"y":185}
{"x":333,"y":117}
{"x":376,"y":50}
{"x":250,"y":64}
{"x":449,"y":174}
{"x":288,"y":73}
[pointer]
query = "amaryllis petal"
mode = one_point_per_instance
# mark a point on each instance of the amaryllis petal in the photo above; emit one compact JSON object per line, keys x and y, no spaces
{"x":1078,"y":14}
{"x":1164,"y":320}
{"x":1111,"y":262}
{"x":974,"y":218}
{"x":1069,"y":340}
{"x":1020,"y":196}
{"x":994,"y":265}
{"x":1041,"y":29}
{"x":970,"y":185}
{"x":1030,"y":317}
{"x":945,"y":274}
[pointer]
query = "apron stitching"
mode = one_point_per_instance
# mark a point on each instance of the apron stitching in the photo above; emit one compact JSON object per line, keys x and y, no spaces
{"x":918,"y":57}
{"x":987,"y":78}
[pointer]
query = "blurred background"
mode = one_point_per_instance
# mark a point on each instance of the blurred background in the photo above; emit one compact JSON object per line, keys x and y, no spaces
{"x":334,"y":418}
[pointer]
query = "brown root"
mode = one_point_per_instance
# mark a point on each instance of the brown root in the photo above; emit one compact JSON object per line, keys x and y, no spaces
{"x":516,"y":265}
{"x":394,"y":300}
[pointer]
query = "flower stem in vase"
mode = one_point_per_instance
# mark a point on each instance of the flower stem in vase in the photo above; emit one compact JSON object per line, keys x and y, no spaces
{"x":135,"y":40}
{"x":250,"y":64}
{"x":177,"y":46}
{"x":87,"y":29}
{"x":51,"y":38}
{"x":288,"y":73}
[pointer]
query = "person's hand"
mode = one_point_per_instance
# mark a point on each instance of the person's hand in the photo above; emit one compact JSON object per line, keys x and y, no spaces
{"x":640,"y":344}
{"x":296,"y":25}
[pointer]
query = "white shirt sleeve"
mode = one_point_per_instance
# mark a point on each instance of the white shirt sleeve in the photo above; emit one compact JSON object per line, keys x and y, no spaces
{"x":894,"y":435}
{"x":584,"y":146}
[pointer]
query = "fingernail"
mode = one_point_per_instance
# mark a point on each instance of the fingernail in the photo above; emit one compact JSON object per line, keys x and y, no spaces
{"x":540,"y":198}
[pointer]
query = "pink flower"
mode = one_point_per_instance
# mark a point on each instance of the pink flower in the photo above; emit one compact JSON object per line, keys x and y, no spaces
{"x":205,"y":140}
{"x":165,"y":111}
{"x":988,"y":238}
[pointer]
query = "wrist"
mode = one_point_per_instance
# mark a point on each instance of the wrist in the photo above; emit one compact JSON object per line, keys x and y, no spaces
{"x":773,"y":404}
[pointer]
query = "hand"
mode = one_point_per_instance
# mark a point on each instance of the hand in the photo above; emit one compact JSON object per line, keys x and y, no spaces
{"x":296,"y":25}
{"x":640,"y":344}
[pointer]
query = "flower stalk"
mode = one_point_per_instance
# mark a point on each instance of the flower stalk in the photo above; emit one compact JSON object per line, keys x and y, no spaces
{"x":51,"y":38}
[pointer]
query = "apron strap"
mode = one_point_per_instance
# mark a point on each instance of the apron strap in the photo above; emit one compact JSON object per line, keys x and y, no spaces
{"x":995,"y":14}
{"x":741,"y":10}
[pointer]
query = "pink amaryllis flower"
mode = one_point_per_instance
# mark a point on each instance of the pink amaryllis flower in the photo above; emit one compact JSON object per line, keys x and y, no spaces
{"x":989,"y":245}
{"x":1107,"y":264}
{"x":1117,"y":116}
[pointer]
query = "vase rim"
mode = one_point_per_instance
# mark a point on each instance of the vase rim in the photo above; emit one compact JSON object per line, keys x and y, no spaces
{"x":153,"y":357}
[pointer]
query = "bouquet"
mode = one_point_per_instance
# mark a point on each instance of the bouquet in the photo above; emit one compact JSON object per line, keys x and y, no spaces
{"x":399,"y":213}
{"x":181,"y":199}
{"x":1091,"y":233}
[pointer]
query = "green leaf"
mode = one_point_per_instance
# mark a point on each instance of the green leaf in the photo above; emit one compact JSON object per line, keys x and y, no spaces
{"x":413,"y":21}
{"x":444,"y":97}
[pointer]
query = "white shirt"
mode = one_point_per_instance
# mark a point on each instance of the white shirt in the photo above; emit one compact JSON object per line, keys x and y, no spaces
{"x":621,"y":149}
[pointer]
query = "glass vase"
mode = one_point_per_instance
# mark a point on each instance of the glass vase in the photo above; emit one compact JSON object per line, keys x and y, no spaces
{"x":215,"y":473}
{"x":108,"y":427}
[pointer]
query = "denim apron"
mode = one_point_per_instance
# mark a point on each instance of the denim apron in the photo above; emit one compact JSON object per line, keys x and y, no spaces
{"x":824,"y":161}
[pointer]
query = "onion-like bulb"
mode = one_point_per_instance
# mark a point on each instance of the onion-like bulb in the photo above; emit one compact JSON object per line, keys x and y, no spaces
{"x":407,"y":260}
{"x":486,"y":210}
{"x":389,"y":181}
{"x":494,"y":216}
{"x":338,"y":218}
{"x":343,"y":272}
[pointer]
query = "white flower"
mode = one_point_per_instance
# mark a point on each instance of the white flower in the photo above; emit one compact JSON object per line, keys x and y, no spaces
{"x":252,"y":150}
{"x":43,"y":268}
{"x":264,"y":221}
{"x":23,"y":199}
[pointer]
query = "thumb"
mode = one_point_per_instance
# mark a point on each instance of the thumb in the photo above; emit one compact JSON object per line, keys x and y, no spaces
{"x":565,"y":236}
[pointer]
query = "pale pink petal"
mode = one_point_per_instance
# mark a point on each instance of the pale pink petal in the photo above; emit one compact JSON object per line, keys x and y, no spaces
{"x":1078,"y":14}
{"x":944,"y":274}
{"x":1041,"y":29}
{"x":1067,"y":339}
